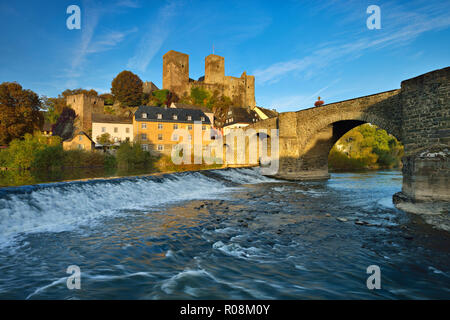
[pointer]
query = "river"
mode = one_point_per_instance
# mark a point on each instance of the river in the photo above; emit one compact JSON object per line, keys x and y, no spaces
{"x":219,"y":234}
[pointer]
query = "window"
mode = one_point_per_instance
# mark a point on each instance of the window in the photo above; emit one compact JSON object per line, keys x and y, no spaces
{"x":203,"y":128}
{"x":145,"y":147}
{"x":190,"y":127}
{"x":174,"y":137}
{"x":103,"y":129}
{"x":160,"y":126}
{"x":175,"y":117}
{"x":160,"y":147}
{"x":144,"y":126}
{"x":189,"y":118}
{"x":116,"y":130}
{"x":144,"y":115}
{"x":127,"y":130}
{"x":159,"y":116}
{"x":80,"y":146}
{"x":175,"y":126}
{"x":160,"y":137}
{"x":80,"y":138}
{"x":202,"y":118}
{"x":144,"y":136}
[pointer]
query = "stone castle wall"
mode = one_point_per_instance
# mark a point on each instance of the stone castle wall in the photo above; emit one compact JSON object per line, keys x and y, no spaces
{"x":84,"y":106}
{"x":176,"y":79}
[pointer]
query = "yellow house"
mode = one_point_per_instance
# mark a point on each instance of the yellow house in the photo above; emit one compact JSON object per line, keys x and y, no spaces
{"x":80,"y":141}
{"x":154,"y":128}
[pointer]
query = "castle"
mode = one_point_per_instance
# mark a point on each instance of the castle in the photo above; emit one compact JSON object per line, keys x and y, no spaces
{"x":176,"y":79}
{"x":84,"y":106}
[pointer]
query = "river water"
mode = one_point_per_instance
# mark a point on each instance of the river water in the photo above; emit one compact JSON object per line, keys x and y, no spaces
{"x":219,"y":234}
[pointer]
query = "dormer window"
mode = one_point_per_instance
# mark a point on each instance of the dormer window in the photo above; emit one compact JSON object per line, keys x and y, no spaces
{"x":175,"y":117}
{"x":189,"y":118}
{"x":159,"y":116}
{"x":144,"y":115}
{"x":202,"y":118}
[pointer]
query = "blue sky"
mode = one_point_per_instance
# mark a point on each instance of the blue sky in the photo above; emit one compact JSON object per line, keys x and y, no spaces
{"x":297,"y":50}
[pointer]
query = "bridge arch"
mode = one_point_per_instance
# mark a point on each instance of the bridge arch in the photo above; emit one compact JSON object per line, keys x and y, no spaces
{"x":314,"y":147}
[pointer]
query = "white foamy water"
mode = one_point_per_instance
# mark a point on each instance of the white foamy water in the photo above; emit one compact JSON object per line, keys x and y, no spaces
{"x":66,"y":206}
{"x":245,"y":176}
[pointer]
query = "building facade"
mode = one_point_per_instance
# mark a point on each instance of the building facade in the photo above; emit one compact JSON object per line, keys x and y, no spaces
{"x":238,"y":118}
{"x":119,"y":128}
{"x":79,"y":141}
{"x":154,"y":128}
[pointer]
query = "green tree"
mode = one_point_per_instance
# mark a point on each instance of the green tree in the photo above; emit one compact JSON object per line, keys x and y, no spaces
{"x":200,"y":96}
{"x":19,"y":112}
{"x":105,"y":139}
{"x":108,"y":98}
{"x":131,"y":155}
{"x":22,"y":153}
{"x":366,"y":146}
{"x":127,"y":89}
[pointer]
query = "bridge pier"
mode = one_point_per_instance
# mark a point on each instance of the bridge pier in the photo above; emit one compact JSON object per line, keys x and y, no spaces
{"x":426,"y":180}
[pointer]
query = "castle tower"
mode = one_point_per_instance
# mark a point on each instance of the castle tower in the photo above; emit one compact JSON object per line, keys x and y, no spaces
{"x":249,"y":90}
{"x":84,"y":106}
{"x":214,"y":69}
{"x":176,"y":72}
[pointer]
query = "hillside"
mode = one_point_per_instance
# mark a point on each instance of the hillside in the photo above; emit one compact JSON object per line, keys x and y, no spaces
{"x":366,"y":147}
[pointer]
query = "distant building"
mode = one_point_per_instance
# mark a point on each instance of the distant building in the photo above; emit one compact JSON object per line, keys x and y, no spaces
{"x":205,"y":110}
{"x":238,"y":117}
{"x":154,"y":127}
{"x":79,"y":141}
{"x":120,"y":128}
{"x":84,"y":107}
{"x":264,"y":113}
{"x":149,"y":87}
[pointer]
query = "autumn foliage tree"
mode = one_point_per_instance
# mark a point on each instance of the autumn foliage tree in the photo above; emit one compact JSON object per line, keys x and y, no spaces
{"x":127,"y":88}
{"x":19,"y":112}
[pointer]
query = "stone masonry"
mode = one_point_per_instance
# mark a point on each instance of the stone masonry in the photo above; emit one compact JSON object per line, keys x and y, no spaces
{"x":176,"y":79}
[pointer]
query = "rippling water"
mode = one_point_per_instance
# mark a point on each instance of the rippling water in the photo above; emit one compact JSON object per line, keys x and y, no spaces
{"x":220,"y":234}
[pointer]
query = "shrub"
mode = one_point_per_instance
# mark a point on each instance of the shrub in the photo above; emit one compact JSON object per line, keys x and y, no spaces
{"x":131,"y":155}
{"x":50,"y":157}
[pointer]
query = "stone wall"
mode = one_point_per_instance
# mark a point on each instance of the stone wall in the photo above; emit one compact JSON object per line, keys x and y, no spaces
{"x":426,"y":110}
{"x":176,"y":79}
{"x":426,"y":132}
{"x":84,"y":106}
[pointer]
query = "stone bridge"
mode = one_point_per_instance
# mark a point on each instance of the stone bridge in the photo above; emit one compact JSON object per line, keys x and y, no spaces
{"x":418,"y":115}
